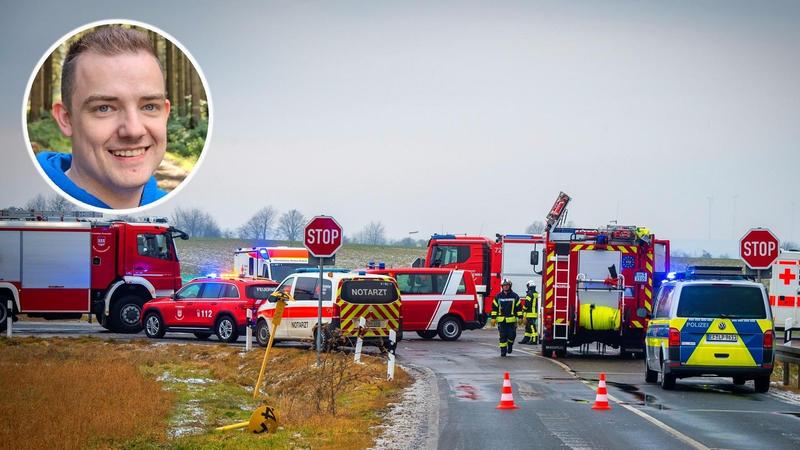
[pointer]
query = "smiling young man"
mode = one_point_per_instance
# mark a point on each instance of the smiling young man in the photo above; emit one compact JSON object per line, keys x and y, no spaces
{"x":114,"y":109}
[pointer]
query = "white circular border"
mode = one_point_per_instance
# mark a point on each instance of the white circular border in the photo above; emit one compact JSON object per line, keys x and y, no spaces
{"x":38,"y":166}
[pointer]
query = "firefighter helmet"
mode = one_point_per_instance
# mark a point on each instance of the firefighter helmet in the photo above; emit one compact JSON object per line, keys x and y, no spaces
{"x":505,"y":281}
{"x":530,"y":284}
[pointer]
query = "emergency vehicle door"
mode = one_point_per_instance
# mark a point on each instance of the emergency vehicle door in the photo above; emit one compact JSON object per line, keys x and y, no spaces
{"x":182,"y":311}
{"x":208,"y":306}
{"x":303,"y":316}
{"x":153,"y":257}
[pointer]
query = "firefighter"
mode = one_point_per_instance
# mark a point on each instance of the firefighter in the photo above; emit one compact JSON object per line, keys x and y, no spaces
{"x":506,"y":313}
{"x":530,"y":312}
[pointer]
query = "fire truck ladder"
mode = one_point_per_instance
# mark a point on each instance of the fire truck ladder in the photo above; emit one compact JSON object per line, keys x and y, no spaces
{"x":561,"y":298}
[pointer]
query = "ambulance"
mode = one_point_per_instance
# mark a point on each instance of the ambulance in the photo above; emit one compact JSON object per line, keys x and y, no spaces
{"x":346,"y":298}
{"x":784,"y":288}
{"x":275,"y":263}
{"x":436,"y":301}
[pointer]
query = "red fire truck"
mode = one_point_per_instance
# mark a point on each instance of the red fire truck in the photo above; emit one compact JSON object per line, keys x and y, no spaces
{"x":598,"y":284}
{"x":436,"y":301}
{"x":58,"y":266}
{"x":490,"y":260}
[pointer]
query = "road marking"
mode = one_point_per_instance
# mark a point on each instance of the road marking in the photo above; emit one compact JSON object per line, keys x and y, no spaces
{"x":666,"y":428}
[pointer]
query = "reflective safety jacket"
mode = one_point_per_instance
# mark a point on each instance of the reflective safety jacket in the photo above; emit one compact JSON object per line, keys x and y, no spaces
{"x":532,"y":305}
{"x":506,"y":307}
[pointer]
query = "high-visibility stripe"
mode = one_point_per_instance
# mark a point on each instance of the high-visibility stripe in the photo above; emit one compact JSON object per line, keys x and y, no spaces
{"x":637,"y":324}
{"x":577,"y":247}
{"x":623,"y":249}
{"x":550,"y":269}
{"x":548,"y":305}
{"x":788,"y":263}
{"x":550,"y":281}
{"x":590,"y":247}
{"x":648,"y":305}
{"x":649,"y":266}
{"x":784,"y":300}
{"x":648,"y":293}
{"x":772,"y":300}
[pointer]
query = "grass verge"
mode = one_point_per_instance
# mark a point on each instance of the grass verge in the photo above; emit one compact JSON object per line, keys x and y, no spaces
{"x":92,"y":393}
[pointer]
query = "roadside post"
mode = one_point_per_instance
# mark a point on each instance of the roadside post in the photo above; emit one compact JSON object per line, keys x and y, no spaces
{"x":362,"y":323}
{"x":322,"y":237}
{"x":248,"y":334}
{"x":276,"y":320}
{"x":9,"y":321}
{"x":392,"y":345}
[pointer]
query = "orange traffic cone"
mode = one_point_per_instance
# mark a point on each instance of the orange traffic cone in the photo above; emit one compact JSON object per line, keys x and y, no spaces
{"x":601,"y":401}
{"x":506,"y":397}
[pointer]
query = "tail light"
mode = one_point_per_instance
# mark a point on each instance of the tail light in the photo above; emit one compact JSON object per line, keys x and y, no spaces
{"x":769,"y":338}
{"x":674,"y":337}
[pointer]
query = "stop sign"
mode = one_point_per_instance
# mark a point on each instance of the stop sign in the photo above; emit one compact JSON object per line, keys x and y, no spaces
{"x":323,"y":236}
{"x":759,"y":248}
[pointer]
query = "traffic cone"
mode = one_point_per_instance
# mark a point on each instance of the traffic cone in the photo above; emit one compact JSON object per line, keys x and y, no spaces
{"x":601,"y":401}
{"x":554,"y":356}
{"x":506,"y":397}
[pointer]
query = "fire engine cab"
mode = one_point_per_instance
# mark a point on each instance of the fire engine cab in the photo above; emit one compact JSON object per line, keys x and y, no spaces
{"x":436,"y":301}
{"x":62,"y":265}
{"x":784,"y":288}
{"x":489,"y":260}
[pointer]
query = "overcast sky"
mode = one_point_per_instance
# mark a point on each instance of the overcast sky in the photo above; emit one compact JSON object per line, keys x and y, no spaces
{"x":470,"y":117}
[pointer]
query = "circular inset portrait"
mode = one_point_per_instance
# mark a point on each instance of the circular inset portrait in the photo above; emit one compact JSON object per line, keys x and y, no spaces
{"x":117,"y":116}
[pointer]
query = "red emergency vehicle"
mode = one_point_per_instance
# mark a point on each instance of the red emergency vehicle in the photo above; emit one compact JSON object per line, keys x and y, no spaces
{"x":436,"y":301}
{"x":59,"y":265}
{"x":598,"y":284}
{"x":489,"y":260}
{"x":207,"y":305}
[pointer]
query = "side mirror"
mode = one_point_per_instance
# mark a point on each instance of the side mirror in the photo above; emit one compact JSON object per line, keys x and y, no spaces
{"x":174,"y":296}
{"x":534,"y":257}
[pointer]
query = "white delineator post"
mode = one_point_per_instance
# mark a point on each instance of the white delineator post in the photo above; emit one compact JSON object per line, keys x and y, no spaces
{"x":10,"y":306}
{"x":787,"y":330}
{"x":360,"y":341}
{"x":248,"y":334}
{"x":390,"y":365}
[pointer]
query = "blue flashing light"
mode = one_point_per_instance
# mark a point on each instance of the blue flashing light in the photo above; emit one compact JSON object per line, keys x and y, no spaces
{"x":326,"y":269}
{"x":602,"y":239}
{"x":381,"y":265}
{"x":443,"y":236}
{"x":371,"y":265}
{"x":518,"y":236}
{"x":211,"y":275}
{"x":361,"y":272}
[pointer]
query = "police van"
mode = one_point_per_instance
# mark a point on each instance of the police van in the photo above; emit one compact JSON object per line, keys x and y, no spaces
{"x":710,"y":321}
{"x":346,"y":298}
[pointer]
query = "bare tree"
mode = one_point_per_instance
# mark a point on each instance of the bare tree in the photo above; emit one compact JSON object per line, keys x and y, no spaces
{"x":260,"y":225}
{"x":38,"y":203}
{"x":374,"y":234}
{"x":790,"y":246}
{"x":537,"y":227}
{"x":290,"y":225}
{"x":59,"y":204}
{"x":196,"y":222}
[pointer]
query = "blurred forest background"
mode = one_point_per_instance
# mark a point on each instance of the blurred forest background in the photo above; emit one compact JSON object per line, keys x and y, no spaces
{"x":188,"y":122}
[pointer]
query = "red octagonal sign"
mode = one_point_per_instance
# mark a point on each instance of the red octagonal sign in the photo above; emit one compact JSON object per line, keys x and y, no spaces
{"x":323,"y":236}
{"x":759,"y":248}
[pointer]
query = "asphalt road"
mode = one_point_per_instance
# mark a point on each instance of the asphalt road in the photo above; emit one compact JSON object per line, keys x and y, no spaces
{"x":555,"y":398}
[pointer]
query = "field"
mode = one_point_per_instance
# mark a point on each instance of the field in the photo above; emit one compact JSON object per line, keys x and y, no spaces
{"x":92,"y":393}
{"x":201,"y":256}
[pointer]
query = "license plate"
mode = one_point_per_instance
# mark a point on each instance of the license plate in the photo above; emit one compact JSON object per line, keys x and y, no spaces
{"x":716,"y":337}
{"x":372,"y":323}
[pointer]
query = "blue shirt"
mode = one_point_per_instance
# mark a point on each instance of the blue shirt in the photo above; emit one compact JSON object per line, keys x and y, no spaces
{"x":56,"y":164}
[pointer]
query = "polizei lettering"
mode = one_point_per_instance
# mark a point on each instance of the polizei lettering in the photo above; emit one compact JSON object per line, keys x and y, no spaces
{"x":372,"y":292}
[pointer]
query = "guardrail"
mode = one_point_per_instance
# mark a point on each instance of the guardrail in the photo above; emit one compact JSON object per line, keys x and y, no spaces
{"x":787,"y":354}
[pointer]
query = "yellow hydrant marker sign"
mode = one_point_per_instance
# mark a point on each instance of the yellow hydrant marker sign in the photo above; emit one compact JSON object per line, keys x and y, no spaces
{"x":263,"y":420}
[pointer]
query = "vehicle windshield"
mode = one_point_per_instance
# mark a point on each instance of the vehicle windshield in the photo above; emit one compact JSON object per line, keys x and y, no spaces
{"x":445,"y":255}
{"x":283,"y":270}
{"x":726,"y":301}
{"x":368,"y":291}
